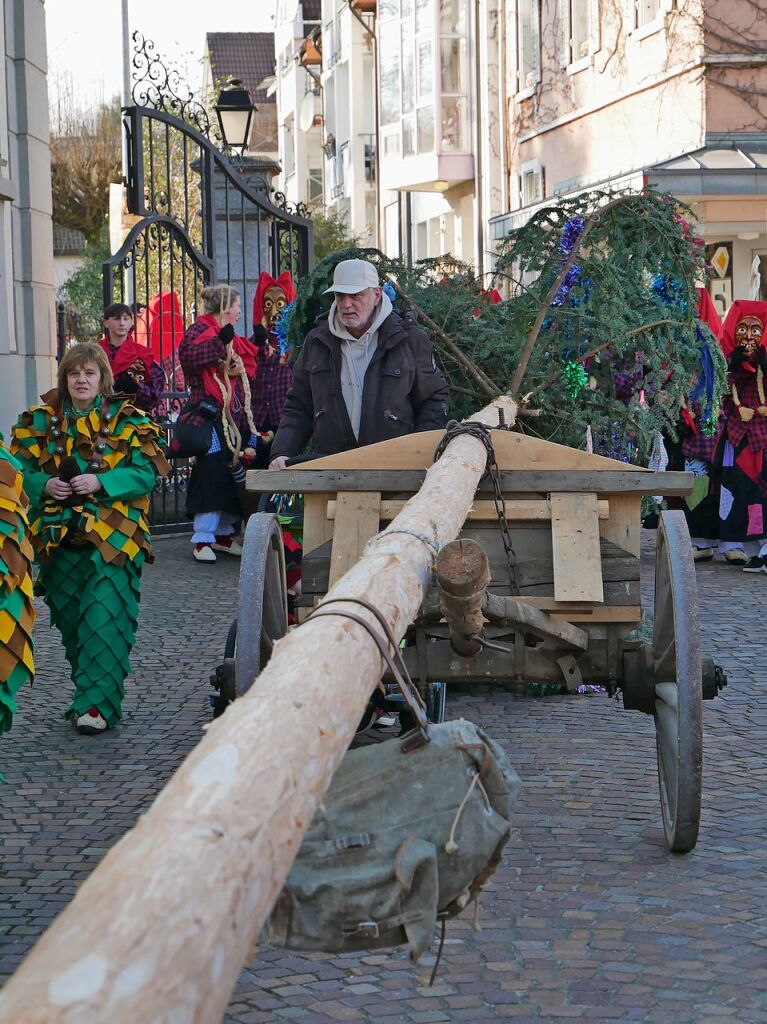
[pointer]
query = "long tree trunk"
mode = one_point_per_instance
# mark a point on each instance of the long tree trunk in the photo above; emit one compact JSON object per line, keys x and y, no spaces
{"x":162,"y":928}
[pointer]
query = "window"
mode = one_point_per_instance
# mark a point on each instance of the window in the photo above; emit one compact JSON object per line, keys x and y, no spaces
{"x":646,"y":11}
{"x":577,"y":28}
{"x":314,"y":184}
{"x":288,"y":149}
{"x":389,"y":51}
{"x":532,"y":183}
{"x":649,"y":12}
{"x":528,"y":44}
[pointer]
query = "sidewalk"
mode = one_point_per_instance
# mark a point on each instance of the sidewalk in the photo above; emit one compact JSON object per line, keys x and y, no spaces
{"x":589,"y":917}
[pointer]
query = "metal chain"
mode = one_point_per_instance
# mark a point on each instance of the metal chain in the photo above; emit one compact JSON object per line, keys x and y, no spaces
{"x":481,"y":433}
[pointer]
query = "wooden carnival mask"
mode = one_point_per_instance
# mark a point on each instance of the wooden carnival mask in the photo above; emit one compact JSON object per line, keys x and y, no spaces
{"x":275,"y":300}
{"x":748,"y":334}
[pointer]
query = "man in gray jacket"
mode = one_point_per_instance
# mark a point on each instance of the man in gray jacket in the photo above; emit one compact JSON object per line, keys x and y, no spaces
{"x":365,"y":374}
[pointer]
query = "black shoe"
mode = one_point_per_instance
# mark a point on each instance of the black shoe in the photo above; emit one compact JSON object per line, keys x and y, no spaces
{"x":755,"y":564}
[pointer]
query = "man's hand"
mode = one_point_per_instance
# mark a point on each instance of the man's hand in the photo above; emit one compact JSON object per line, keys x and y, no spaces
{"x":280,"y":462}
{"x":57,"y":489}
{"x":86,"y":483}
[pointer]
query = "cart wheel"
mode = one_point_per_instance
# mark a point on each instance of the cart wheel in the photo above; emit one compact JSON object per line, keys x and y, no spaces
{"x":222,"y":679}
{"x":435,"y":702}
{"x":678,"y":683}
{"x":263,"y":613}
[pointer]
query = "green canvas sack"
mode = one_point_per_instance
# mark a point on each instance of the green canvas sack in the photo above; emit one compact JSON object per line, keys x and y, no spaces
{"x":407,"y":835}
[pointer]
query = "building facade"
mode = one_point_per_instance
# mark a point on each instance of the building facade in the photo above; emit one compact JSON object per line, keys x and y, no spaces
{"x":27,"y":306}
{"x":628,"y":93}
{"x":299,"y":103}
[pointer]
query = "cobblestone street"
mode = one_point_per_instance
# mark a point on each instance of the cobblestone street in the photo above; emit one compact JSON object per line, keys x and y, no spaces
{"x":589,"y":916}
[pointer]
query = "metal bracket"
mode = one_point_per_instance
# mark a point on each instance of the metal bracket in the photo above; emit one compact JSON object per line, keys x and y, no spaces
{"x":571,"y":672}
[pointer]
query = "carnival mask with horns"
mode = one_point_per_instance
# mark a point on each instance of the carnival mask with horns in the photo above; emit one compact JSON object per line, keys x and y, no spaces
{"x":272,"y":296}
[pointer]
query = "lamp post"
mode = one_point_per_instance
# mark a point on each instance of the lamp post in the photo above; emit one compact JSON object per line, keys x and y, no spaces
{"x":234,"y":110}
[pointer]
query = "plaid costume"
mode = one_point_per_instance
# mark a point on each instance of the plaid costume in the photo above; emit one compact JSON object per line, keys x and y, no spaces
{"x":274,"y":375}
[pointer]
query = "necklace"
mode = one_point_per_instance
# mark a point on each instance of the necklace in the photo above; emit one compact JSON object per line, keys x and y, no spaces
{"x":58,"y":425}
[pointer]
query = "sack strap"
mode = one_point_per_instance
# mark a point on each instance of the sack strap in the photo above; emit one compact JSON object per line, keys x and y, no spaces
{"x":372,"y":929}
{"x":394,"y":660}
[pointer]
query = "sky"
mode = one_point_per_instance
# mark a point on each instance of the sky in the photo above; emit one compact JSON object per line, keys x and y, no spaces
{"x":85,"y":40}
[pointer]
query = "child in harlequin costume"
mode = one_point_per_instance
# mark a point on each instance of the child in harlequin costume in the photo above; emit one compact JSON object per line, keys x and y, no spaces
{"x":739,"y":461}
{"x":136,"y":374}
{"x":90,"y":460}
{"x":17,"y":613}
{"x":274,"y":373}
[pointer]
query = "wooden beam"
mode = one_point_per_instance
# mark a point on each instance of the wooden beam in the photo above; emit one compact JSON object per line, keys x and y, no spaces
{"x":534,"y":620}
{"x":517,"y":510}
{"x":522,"y":481}
{"x":357,"y":520}
{"x":162,"y":927}
{"x":585,"y":612}
{"x":317,"y":530}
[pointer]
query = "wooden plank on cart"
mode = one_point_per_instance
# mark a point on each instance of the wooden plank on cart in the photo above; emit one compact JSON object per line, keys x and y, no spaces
{"x":357,"y":520}
{"x":575,"y":544}
{"x":517,"y":510}
{"x":317,"y":529}
{"x":623,"y":527}
{"x":513,"y":482}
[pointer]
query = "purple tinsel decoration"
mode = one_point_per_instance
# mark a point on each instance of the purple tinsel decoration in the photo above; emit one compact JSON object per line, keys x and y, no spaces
{"x":570,"y":235}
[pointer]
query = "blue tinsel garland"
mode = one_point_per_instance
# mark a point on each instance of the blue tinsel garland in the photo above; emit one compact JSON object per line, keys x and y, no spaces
{"x":282,"y":327}
{"x":671,"y":293}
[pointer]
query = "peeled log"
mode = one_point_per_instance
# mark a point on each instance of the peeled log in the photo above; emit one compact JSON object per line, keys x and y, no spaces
{"x":463,"y":573}
{"x":161,"y":929}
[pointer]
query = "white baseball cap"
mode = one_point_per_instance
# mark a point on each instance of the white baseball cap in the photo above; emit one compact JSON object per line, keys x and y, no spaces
{"x":352,"y":276}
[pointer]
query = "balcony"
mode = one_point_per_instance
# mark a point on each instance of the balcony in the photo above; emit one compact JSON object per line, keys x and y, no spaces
{"x":425,"y":118}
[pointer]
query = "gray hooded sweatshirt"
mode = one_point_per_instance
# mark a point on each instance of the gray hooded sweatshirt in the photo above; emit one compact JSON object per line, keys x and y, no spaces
{"x":356,"y":354}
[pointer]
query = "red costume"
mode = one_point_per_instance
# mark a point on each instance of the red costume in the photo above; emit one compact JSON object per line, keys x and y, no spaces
{"x":135,"y":361}
{"x":739,"y":458}
{"x":274,"y":373}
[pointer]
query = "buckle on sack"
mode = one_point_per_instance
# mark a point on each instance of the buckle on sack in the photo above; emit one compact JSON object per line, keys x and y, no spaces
{"x":353,"y":841}
{"x":370,"y":929}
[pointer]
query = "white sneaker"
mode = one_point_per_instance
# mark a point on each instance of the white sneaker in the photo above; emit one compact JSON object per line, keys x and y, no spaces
{"x":203,"y":553}
{"x":91,"y":722}
{"x":232,"y":548}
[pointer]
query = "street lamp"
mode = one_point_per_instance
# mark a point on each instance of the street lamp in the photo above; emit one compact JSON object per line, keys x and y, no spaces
{"x":234,"y":109}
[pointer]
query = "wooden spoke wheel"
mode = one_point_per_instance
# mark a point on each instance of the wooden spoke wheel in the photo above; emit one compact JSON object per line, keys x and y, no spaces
{"x":262,"y":617}
{"x":678,"y":683}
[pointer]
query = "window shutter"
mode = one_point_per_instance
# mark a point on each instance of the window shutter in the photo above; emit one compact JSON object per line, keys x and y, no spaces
{"x":565,"y":33}
{"x":595,"y":28}
{"x":535,"y":35}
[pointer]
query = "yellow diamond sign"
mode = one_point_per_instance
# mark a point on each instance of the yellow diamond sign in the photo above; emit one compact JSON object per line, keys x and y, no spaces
{"x":720,"y":261}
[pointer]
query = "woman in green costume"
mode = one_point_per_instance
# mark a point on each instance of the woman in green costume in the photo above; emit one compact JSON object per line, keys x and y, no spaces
{"x":90,"y":461}
{"x":17,"y":612}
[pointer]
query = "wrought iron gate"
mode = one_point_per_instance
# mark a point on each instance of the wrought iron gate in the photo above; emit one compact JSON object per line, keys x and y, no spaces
{"x":198,"y":218}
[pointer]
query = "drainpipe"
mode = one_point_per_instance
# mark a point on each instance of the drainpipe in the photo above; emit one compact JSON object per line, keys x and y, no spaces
{"x":478,"y":167}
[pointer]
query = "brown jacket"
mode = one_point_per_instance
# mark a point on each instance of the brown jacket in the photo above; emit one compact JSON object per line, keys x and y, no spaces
{"x":404,"y":391}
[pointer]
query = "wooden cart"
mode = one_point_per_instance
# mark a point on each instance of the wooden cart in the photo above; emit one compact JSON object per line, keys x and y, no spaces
{"x":574,"y":525}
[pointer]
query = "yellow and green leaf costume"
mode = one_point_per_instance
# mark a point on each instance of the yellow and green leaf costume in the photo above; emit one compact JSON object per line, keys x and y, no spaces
{"x":17,"y":613}
{"x":91,"y":553}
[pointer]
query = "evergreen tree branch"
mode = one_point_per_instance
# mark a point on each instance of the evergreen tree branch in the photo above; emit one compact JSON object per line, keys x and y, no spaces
{"x":595,"y":351}
{"x":545,"y":307}
{"x":490,"y":389}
